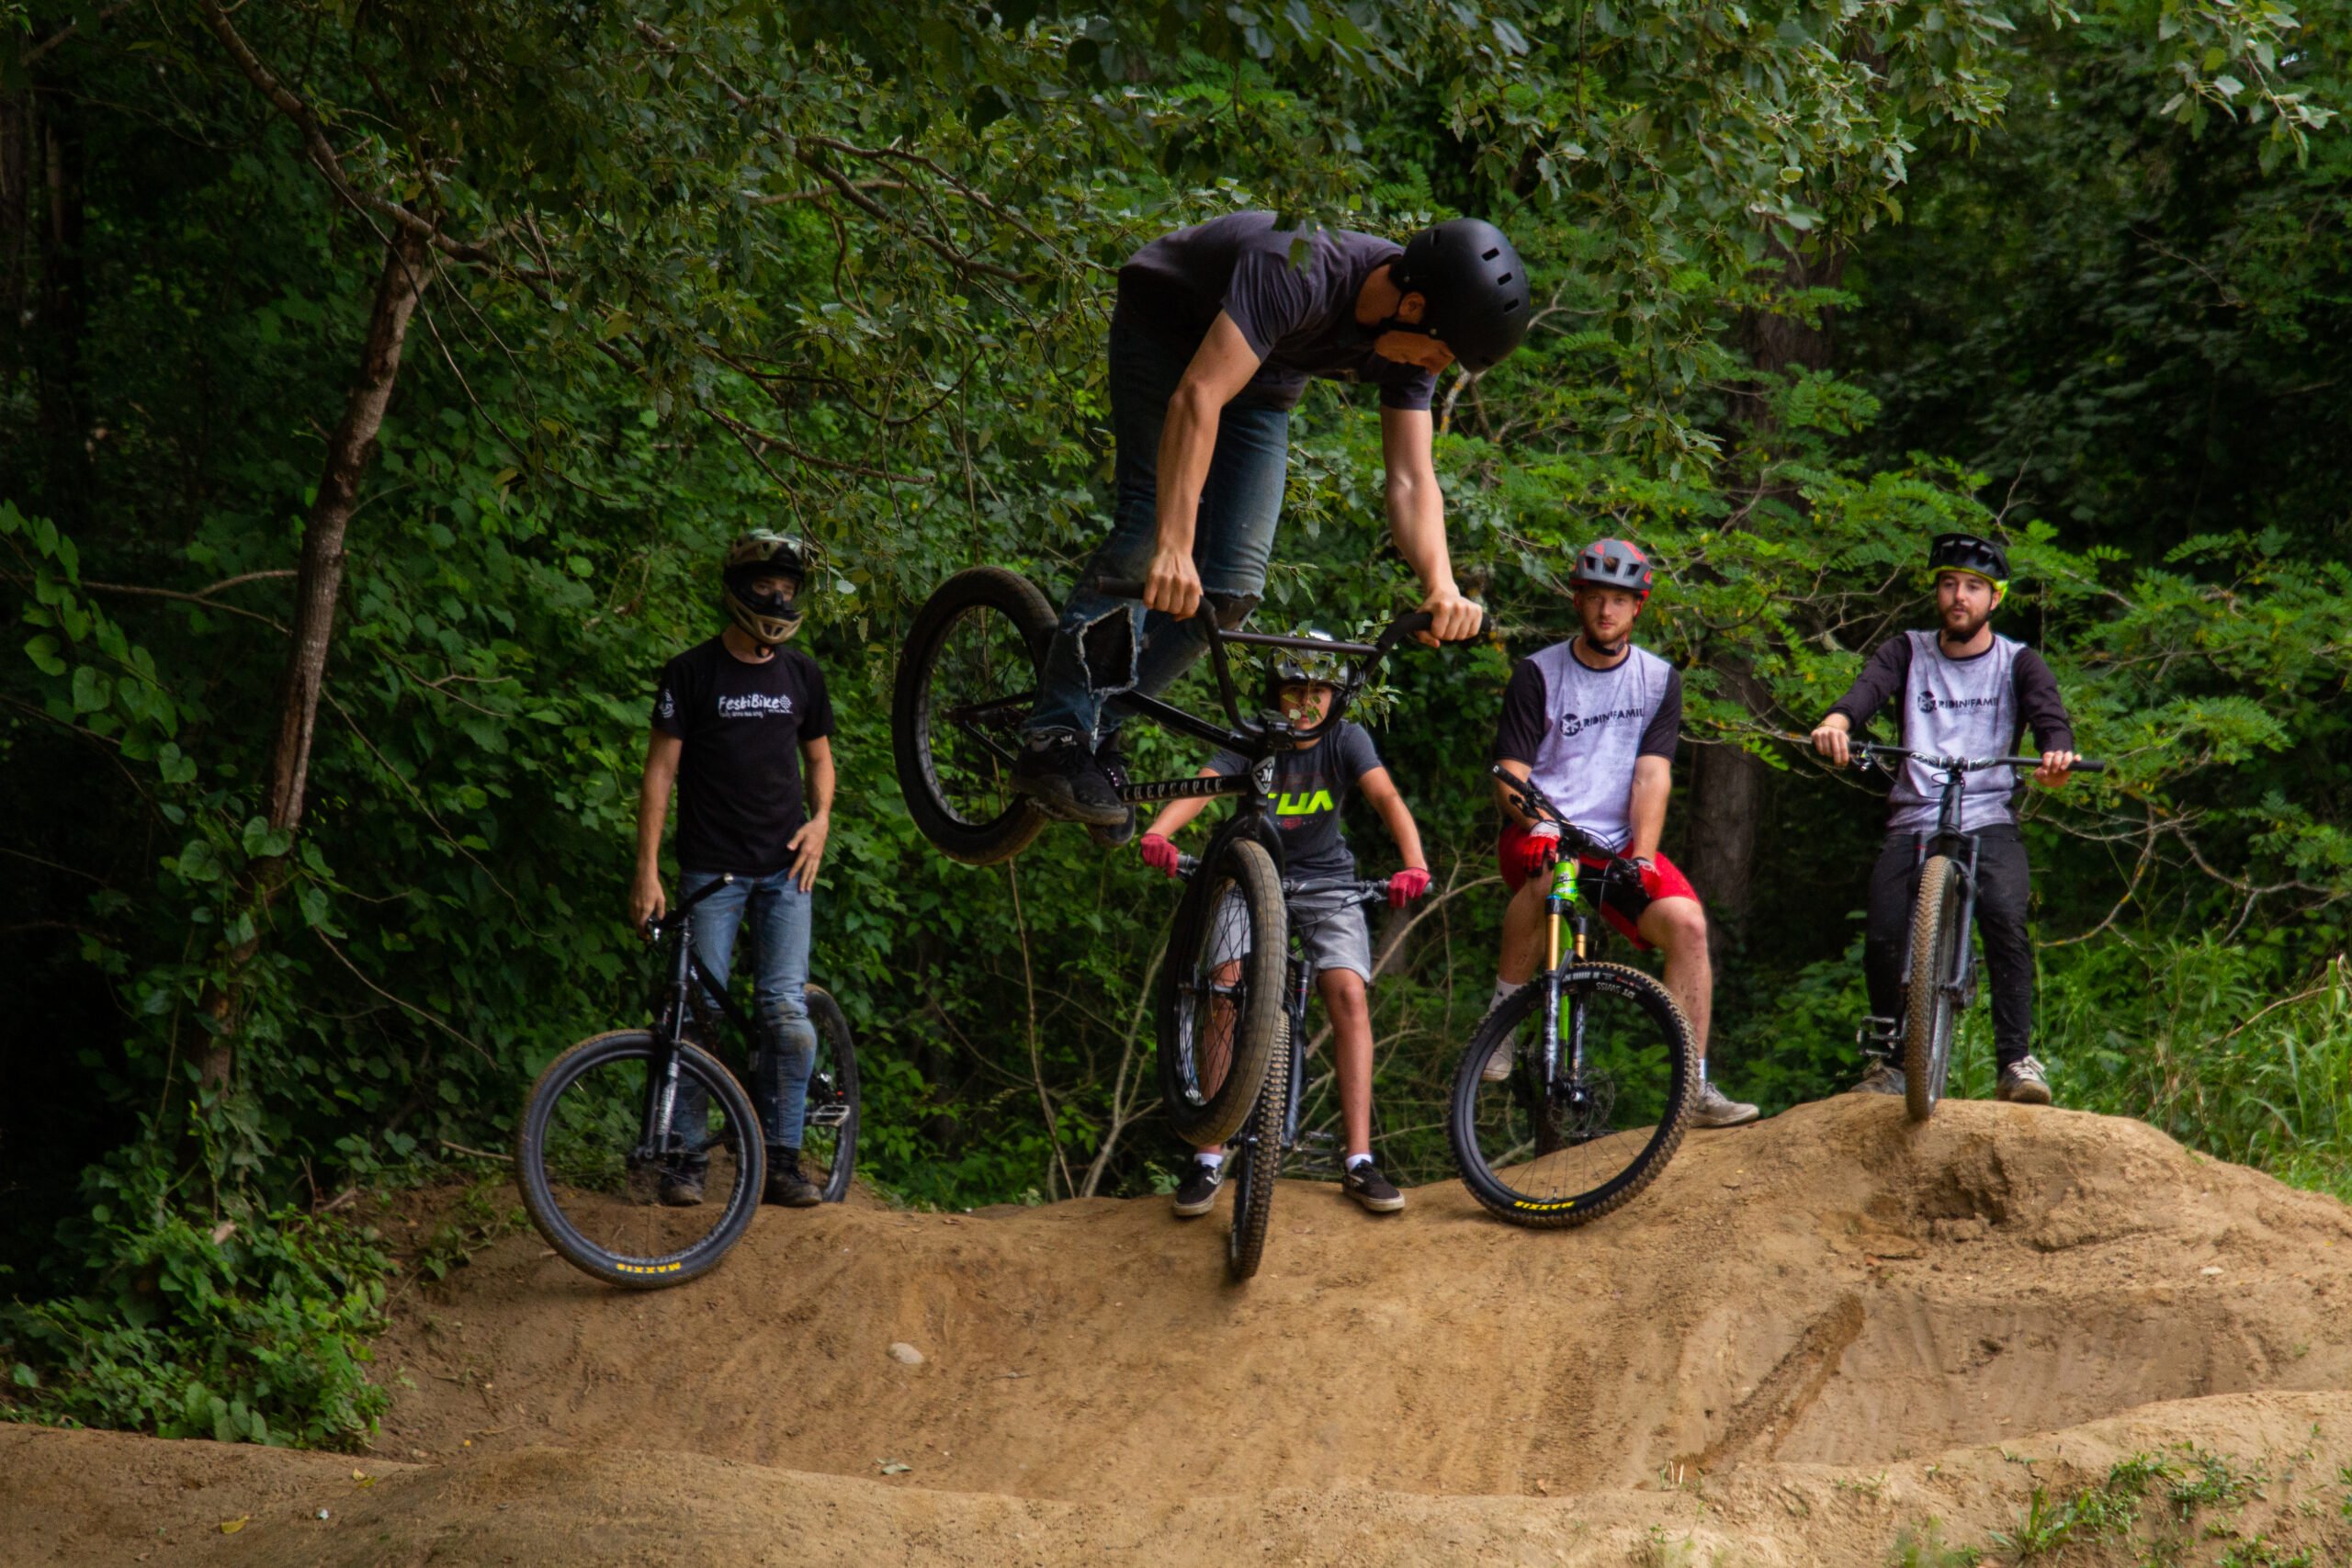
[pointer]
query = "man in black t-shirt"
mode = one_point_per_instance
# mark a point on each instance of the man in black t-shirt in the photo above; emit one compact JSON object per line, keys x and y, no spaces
{"x":1217,"y":331}
{"x":736,"y":721}
{"x":1310,"y":786}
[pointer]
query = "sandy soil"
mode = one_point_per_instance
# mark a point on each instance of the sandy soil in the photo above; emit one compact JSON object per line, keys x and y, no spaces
{"x":1809,"y":1335}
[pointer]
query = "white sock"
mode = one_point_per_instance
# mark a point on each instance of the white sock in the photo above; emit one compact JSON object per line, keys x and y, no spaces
{"x":1703,"y":1072}
{"x":1502,"y":989}
{"x":1355,"y":1160}
{"x":1212,"y":1161}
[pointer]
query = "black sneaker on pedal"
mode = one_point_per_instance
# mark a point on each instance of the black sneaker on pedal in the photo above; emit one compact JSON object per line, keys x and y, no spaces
{"x":1365,"y":1184}
{"x":1884,"y":1078}
{"x":1196,"y":1194}
{"x":1061,"y":775}
{"x":788,"y":1186}
{"x":1114,"y":769}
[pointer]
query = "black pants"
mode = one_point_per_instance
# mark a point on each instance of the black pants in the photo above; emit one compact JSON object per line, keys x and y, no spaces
{"x":2004,"y":882}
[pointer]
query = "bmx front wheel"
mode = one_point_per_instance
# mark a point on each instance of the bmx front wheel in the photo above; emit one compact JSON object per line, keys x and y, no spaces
{"x":612,"y":1206}
{"x":1258,"y":1160}
{"x":1559,"y":1150}
{"x":1932,"y":1010}
{"x":968,"y":676}
{"x":1221,"y":992}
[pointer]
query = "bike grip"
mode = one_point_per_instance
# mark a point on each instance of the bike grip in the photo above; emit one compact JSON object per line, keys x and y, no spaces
{"x":2087,"y":768}
{"x":1419,"y":621}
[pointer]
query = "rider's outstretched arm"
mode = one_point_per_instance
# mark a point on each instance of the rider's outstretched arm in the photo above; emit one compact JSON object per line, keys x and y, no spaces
{"x":645,"y":896}
{"x":1381,"y":791}
{"x":1220,"y":368}
{"x":1417,"y":521}
{"x":1177,"y":815}
{"x":1882,"y":679}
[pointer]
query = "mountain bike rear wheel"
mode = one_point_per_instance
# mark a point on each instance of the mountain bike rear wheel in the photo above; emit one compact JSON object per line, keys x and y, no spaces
{"x":829,"y":1136}
{"x":1221,"y":992}
{"x":608,"y":1204}
{"x":1563,"y":1151}
{"x":1257,"y":1161}
{"x":968,"y":675}
{"x":1932,"y":1010}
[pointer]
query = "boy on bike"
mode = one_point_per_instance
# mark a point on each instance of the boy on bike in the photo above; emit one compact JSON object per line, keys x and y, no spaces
{"x":1965,"y":691}
{"x":736,"y":721}
{"x":1311,"y":785}
{"x":1216,"y":332}
{"x":1594,"y":721}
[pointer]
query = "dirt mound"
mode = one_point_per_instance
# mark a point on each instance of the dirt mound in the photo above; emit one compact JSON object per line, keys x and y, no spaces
{"x":1777,"y":1339}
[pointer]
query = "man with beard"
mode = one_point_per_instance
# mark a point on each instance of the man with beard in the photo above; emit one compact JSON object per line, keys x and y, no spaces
{"x":1965,"y":691}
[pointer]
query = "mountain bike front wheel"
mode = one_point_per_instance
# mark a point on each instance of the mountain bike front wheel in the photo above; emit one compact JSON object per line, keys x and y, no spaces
{"x":968,"y":676}
{"x":1932,"y":1010}
{"x":613,"y":1207}
{"x":1558,"y":1150}
{"x":1221,"y":992}
{"x":1257,"y":1161}
{"x":829,"y":1136}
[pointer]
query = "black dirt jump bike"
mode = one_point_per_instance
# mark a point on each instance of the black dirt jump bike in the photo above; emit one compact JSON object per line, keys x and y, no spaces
{"x":970,"y":671}
{"x":615,"y":1121}
{"x":1602,"y":1070}
{"x":1940,"y":964}
{"x":1271,"y":1130}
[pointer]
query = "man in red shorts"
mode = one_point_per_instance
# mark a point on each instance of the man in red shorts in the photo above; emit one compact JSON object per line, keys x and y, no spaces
{"x":1593,"y":721}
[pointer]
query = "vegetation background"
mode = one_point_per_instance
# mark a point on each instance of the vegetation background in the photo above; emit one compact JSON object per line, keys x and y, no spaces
{"x":377,"y":382}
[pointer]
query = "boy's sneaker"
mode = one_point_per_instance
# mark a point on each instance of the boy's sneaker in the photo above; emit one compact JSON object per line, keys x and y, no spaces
{"x":1060,"y":775}
{"x":2024,"y":1083}
{"x":1115,"y":769}
{"x":682,"y":1183}
{"x":788,"y":1185}
{"x":1196,"y":1194}
{"x":1498,"y":1062}
{"x":1365,"y":1184}
{"x":1884,"y":1078}
{"x":1716,"y":1109}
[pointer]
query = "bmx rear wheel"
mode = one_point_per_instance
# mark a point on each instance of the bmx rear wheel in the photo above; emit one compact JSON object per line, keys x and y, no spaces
{"x":1221,"y":992}
{"x":1258,"y":1160}
{"x":1558,"y":1152}
{"x":615,"y":1208}
{"x":968,"y":676}
{"x":828,"y":1138}
{"x":1931,"y":1012}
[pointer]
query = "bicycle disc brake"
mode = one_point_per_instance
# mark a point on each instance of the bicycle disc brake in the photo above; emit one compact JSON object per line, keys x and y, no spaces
{"x":1584,"y":1104}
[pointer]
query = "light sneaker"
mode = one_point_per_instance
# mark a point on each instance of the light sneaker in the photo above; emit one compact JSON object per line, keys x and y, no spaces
{"x":1196,"y":1194}
{"x":2024,"y":1083}
{"x":1884,"y":1078}
{"x":1368,"y":1187}
{"x":1716,"y":1109}
{"x":1497,"y":1067}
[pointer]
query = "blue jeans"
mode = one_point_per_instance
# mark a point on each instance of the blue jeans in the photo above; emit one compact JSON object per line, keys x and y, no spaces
{"x":783,"y":1043}
{"x":1103,"y":647}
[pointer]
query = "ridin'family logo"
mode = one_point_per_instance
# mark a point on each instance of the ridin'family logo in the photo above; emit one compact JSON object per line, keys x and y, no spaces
{"x":1572,"y":726}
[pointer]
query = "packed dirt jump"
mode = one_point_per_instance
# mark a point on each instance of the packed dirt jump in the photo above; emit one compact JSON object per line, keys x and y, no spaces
{"x":1812,"y":1337}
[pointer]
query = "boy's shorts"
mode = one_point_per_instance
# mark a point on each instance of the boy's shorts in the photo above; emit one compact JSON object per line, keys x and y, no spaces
{"x":1331,"y":931}
{"x":1621,"y":904}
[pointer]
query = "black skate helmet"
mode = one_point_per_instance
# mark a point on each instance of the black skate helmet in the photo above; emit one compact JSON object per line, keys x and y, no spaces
{"x":1475,"y":287}
{"x":1978,"y":557}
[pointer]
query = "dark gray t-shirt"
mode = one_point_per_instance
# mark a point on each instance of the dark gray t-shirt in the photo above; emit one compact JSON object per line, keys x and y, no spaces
{"x":1310,"y":788}
{"x":1300,"y":321}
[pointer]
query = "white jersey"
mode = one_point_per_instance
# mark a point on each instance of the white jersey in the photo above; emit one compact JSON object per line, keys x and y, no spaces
{"x":1580,"y":730}
{"x":1958,"y":707}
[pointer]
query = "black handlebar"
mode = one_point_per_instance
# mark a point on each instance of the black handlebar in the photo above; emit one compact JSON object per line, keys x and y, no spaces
{"x":1365,"y":892}
{"x":1864,"y":749}
{"x":1411,"y":623}
{"x":659,"y":926}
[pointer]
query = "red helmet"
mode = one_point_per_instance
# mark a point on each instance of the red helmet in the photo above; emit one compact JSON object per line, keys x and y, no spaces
{"x":1613,"y":563}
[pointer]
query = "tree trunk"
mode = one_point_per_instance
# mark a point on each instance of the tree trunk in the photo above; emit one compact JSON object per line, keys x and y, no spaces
{"x":318,"y":581}
{"x":62,"y":309}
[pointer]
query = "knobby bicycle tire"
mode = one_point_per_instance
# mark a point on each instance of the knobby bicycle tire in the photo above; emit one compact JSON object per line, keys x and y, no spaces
{"x":1234,"y":905}
{"x":1669,"y":1031}
{"x":1930,"y":1011}
{"x":1260,"y":1154}
{"x":836,"y":1056}
{"x":957,"y":792}
{"x":542,"y":1201}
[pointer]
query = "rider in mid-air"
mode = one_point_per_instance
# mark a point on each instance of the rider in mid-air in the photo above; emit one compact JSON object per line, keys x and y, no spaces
{"x":1965,"y":691}
{"x":1215,"y":336}
{"x":1310,"y":786}
{"x":1594,"y":721}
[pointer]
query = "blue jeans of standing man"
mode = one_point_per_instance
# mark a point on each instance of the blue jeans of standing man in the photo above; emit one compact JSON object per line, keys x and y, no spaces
{"x":783,"y":1043}
{"x":1103,"y":647}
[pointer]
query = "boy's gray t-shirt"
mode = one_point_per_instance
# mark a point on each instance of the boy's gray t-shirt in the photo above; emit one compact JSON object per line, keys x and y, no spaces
{"x":1309,"y":789}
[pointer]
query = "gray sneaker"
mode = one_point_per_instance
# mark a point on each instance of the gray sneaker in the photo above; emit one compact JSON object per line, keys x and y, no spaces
{"x":1716,"y":1109}
{"x":2024,"y":1083}
{"x":1884,"y":1078}
{"x":1497,"y":1065}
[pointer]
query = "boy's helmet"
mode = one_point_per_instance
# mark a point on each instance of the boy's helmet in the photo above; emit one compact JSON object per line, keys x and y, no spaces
{"x":1613,"y":563}
{"x":1476,"y":287}
{"x":1297,"y":667}
{"x":1966,"y":552}
{"x":766,"y":618}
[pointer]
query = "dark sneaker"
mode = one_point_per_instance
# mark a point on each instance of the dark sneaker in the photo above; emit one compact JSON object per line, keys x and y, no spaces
{"x":1115,"y":769}
{"x":1368,"y":1187}
{"x":2024,"y":1083}
{"x":1196,"y":1194}
{"x":1884,"y":1078}
{"x":1060,"y":775}
{"x":788,"y":1185}
{"x":1716,"y":1109}
{"x":682,"y":1184}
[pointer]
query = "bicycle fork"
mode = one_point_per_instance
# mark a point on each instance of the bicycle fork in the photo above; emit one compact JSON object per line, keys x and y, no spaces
{"x":1562,"y":905}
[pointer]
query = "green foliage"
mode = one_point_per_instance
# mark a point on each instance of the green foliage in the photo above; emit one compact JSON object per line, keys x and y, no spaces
{"x":1924,"y":1547}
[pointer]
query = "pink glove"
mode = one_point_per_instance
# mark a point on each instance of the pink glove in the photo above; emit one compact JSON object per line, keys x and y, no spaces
{"x":1539,"y":849}
{"x":1408,"y":884}
{"x":1157,"y":853}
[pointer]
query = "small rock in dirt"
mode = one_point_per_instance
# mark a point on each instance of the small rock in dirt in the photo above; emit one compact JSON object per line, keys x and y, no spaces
{"x":902,"y":1351}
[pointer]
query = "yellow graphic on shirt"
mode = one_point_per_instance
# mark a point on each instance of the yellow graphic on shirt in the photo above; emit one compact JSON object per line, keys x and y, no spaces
{"x":1305,"y":804}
